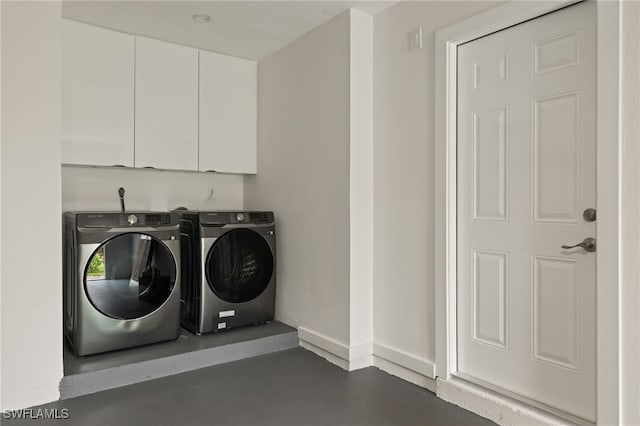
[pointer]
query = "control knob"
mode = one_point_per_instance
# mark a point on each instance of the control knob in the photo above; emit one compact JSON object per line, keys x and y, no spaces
{"x":132,"y":219}
{"x":240,"y":217}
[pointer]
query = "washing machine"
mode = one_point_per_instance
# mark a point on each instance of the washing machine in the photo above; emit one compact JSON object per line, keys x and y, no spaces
{"x":228,"y":269}
{"x":121,"y":280}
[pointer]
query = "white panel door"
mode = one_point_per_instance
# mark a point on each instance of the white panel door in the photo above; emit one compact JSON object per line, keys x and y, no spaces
{"x":526,"y":173}
{"x":228,"y":113}
{"x":166,"y":105}
{"x":97,"y":95}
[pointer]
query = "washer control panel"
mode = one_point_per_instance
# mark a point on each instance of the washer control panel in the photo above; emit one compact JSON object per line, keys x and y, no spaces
{"x":124,"y":220}
{"x":158,"y":219}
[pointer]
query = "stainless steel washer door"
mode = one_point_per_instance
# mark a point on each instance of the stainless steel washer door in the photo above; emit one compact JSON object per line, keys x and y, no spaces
{"x":130,"y":276}
{"x":239,"y":266}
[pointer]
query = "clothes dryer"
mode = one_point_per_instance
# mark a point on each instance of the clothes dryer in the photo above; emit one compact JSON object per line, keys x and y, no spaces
{"x":228,"y":269}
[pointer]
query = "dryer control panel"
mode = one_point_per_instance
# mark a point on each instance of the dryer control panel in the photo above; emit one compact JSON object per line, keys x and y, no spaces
{"x":224,"y":218}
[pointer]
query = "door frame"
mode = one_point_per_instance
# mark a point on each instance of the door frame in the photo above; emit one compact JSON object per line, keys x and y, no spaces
{"x":609,"y":144}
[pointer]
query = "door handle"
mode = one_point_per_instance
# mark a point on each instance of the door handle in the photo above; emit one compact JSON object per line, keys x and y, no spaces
{"x":589,"y":244}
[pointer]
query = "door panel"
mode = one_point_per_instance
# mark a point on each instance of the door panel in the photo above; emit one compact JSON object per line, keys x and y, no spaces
{"x":489,"y":165}
{"x":555,"y":312}
{"x":526,"y":172}
{"x":489,"y":280}
{"x":555,"y":160}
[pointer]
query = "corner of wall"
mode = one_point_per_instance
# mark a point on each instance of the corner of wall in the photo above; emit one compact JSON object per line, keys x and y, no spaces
{"x":361,"y":185}
{"x":413,"y":369}
{"x":304,"y":176}
{"x":347,"y":357}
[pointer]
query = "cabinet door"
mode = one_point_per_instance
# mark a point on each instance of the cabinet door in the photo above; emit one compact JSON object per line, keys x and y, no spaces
{"x":166,"y":105}
{"x":228,"y":113}
{"x":97,"y":95}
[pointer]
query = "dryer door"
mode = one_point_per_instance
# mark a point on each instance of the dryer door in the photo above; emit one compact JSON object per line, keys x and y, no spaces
{"x":239,"y":266}
{"x":130,"y":276}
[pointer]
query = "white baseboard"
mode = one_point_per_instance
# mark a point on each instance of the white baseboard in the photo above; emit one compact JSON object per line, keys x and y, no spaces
{"x":419,"y":371}
{"x":346,"y":357}
{"x":326,"y":343}
{"x":493,"y":406}
{"x":361,"y":356}
{"x":404,"y":374}
{"x":332,"y":358}
{"x":416,"y":364}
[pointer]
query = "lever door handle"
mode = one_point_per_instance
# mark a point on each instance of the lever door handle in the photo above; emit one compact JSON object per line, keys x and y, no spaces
{"x":589,"y":244}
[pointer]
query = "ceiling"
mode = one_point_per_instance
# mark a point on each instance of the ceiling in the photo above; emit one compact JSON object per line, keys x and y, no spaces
{"x":246,"y":29}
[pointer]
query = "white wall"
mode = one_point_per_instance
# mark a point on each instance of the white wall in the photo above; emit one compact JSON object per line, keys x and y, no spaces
{"x":404,"y":289}
{"x":31,"y":273}
{"x":630,"y":196}
{"x":1,"y":404}
{"x":96,"y":188}
{"x":303,"y":175}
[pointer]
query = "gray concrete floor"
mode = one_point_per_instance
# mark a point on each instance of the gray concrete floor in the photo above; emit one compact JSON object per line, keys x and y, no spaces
{"x":292,"y":387}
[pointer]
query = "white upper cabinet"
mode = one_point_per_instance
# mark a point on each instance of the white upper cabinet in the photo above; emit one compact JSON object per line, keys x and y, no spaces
{"x":97,"y":95}
{"x":228,"y":114}
{"x":140,"y":102}
{"x":166,"y":105}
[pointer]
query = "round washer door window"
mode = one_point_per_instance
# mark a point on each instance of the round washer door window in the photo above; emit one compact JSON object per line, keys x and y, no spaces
{"x":239,"y":266}
{"x":130,"y":276}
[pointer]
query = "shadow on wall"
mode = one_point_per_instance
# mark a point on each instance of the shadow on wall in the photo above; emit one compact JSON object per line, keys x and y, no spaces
{"x":96,"y":188}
